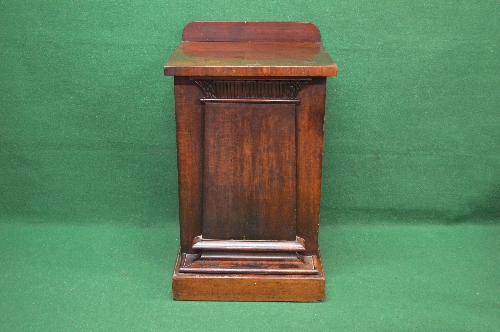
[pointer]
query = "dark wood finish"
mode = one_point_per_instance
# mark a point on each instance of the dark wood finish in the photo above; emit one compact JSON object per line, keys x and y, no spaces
{"x":247,"y":89}
{"x":310,"y":119}
{"x":189,"y":127}
{"x":287,"y":264}
{"x":248,"y":287}
{"x":256,"y":101}
{"x":250,"y":59}
{"x":265,"y":49}
{"x":298,"y":32}
{"x":249,"y":245}
{"x":249,"y":188}
{"x":250,"y":105}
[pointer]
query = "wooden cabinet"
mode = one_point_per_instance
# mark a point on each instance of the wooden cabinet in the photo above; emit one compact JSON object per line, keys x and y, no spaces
{"x":249,"y":105}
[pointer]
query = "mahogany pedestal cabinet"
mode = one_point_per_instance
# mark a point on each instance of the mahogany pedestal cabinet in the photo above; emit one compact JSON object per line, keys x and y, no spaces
{"x":249,"y":107}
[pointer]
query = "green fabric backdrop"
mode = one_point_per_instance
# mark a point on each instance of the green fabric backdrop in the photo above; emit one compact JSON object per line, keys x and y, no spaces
{"x":410,"y":224}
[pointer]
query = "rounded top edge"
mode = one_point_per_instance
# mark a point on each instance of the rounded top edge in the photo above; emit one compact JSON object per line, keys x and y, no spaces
{"x":251,"y":31}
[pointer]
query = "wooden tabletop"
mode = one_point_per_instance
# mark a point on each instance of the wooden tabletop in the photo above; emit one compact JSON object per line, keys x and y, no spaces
{"x":250,"y":49}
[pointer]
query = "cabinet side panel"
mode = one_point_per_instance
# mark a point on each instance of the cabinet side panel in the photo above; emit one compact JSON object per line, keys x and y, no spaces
{"x":250,"y":177}
{"x":189,"y":121}
{"x":310,"y":120}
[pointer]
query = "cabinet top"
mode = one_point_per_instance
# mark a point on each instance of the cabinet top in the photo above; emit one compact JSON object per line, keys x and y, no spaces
{"x":250,"y":49}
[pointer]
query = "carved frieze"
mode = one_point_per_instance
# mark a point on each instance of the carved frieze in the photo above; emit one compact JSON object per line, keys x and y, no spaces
{"x":251,"y":89}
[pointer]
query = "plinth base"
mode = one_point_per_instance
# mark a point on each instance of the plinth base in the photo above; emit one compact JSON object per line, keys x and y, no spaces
{"x":248,"y":287}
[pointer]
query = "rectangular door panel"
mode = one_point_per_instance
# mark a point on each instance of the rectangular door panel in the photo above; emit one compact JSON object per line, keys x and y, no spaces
{"x":249,"y":186}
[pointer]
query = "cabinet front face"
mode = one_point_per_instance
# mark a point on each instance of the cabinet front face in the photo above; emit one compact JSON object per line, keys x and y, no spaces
{"x":249,"y":176}
{"x":249,"y":157}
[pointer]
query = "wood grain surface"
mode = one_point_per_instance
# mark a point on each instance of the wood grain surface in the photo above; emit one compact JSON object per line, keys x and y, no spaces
{"x":248,"y":287}
{"x":237,"y":59}
{"x":249,"y":176}
{"x":231,"y":31}
{"x":251,"y":49}
{"x":250,"y":106}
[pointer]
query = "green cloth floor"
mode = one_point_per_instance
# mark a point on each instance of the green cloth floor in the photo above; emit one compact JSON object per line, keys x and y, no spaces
{"x":380,"y":277}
